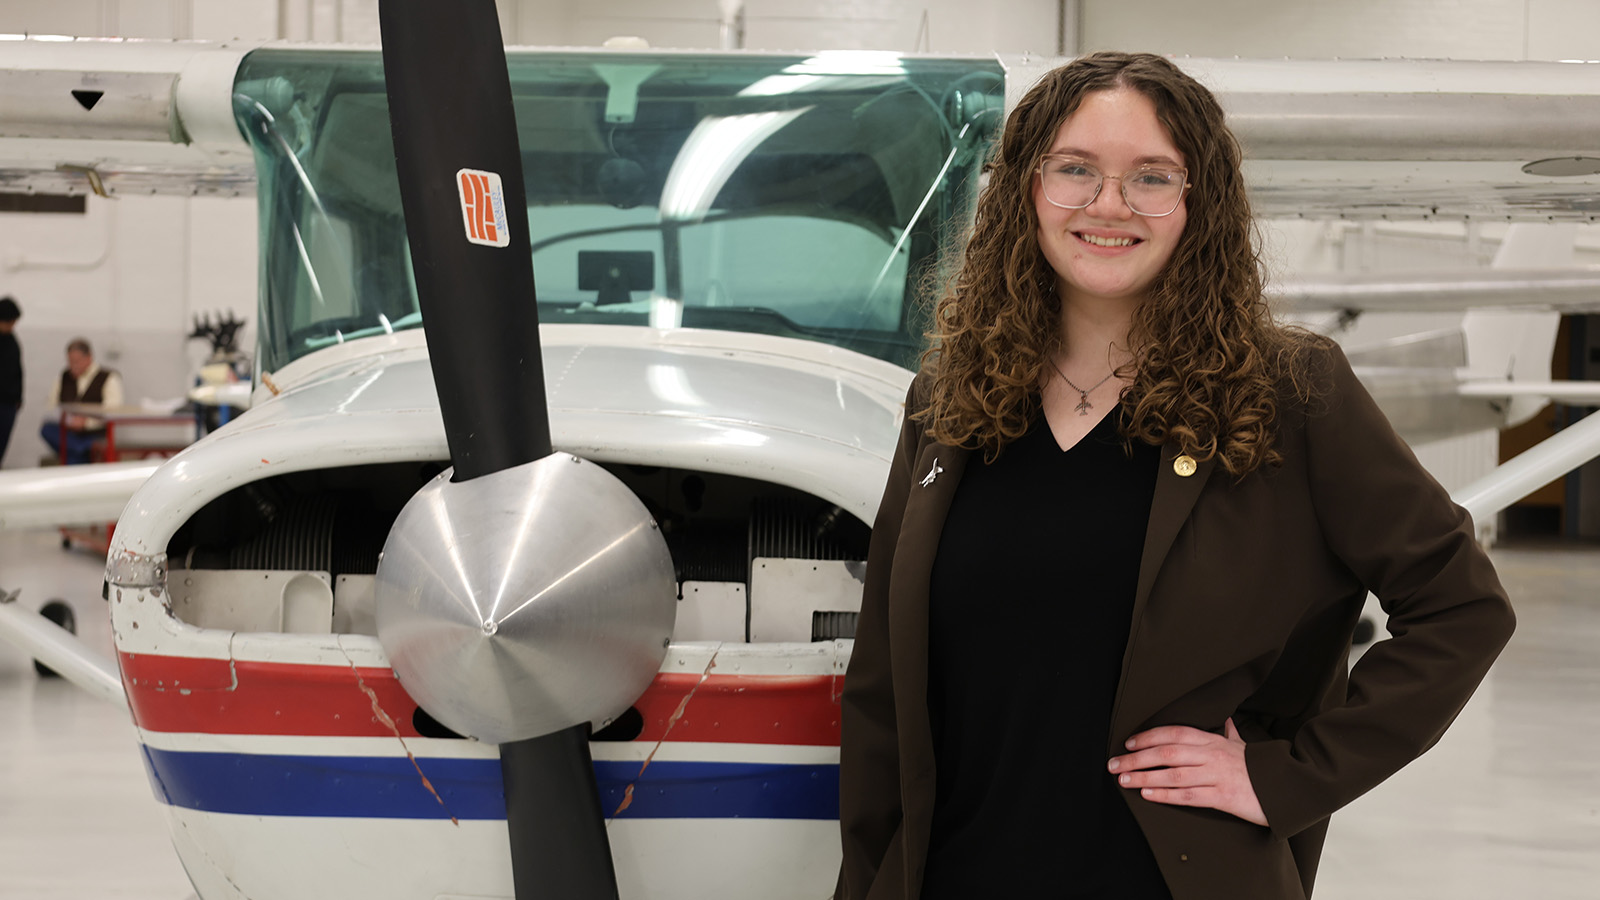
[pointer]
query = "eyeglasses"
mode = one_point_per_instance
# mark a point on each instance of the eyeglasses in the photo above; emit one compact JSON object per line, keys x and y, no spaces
{"x":1153,"y":191}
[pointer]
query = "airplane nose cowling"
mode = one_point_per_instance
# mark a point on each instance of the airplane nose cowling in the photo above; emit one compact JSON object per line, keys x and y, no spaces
{"x":526,"y":601}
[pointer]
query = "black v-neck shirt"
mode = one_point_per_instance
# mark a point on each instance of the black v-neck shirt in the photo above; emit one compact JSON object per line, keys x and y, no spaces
{"x":1030,"y":602}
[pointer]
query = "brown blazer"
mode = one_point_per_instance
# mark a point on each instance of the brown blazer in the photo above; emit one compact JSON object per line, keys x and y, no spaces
{"x":1247,"y":596}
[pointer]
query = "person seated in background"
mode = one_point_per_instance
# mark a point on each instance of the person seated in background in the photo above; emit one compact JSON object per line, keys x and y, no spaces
{"x":82,"y":381}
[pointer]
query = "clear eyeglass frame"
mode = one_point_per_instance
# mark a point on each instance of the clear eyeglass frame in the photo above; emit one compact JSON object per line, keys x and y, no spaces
{"x":1122,"y":185}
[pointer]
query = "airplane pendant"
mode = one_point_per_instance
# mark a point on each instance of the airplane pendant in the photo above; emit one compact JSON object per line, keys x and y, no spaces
{"x":1084,"y":405}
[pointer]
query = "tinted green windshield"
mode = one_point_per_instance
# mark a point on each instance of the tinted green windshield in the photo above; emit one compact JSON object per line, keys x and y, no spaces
{"x":798,"y":196}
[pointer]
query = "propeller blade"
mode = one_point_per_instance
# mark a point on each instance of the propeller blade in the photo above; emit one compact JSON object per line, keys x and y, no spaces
{"x":460,"y":172}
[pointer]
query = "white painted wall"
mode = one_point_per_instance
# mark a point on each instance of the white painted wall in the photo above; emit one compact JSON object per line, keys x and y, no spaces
{"x":943,"y":26}
{"x":129,"y":274}
{"x":1487,"y":29}
{"x":1456,"y":29}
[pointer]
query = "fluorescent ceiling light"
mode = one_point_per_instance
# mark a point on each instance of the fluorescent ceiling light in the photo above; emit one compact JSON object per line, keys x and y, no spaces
{"x":850,"y":62}
{"x":773,"y":85}
{"x":719,"y":144}
{"x":709,"y":157}
{"x":831,"y":70}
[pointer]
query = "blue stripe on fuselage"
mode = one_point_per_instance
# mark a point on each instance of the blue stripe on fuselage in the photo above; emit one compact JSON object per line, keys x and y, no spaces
{"x":389,"y":787}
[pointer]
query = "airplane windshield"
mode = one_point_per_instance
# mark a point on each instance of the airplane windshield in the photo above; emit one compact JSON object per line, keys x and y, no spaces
{"x":797,"y":196}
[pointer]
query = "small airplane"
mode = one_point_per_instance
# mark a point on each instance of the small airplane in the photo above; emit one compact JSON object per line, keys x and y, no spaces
{"x":727,"y":248}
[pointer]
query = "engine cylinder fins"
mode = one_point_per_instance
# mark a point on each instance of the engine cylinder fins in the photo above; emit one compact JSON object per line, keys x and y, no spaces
{"x":298,"y":535}
{"x":787,"y":528}
{"x":526,"y":601}
{"x":323,"y":531}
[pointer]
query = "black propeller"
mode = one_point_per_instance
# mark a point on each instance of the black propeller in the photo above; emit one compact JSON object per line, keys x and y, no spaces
{"x":461,"y":183}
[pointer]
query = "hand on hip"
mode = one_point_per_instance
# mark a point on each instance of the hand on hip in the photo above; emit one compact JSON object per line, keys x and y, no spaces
{"x":1184,"y":766}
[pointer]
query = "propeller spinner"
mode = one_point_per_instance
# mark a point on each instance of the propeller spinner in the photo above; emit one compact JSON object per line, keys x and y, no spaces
{"x":523,"y":594}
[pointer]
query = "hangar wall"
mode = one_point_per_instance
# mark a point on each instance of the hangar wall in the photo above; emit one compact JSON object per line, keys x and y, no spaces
{"x":131,"y":273}
{"x":1458,"y":29}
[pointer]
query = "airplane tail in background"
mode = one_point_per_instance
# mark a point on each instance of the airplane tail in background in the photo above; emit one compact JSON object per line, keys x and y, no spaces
{"x":1509,"y":352}
{"x":1493,"y":369}
{"x":1508,"y":355}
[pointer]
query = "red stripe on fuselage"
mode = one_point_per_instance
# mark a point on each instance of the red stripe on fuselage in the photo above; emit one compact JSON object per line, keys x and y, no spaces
{"x":216,"y":696}
{"x":743,"y":709}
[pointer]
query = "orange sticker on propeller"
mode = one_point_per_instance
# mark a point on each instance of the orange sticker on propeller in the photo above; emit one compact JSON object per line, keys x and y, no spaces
{"x":483,"y":207}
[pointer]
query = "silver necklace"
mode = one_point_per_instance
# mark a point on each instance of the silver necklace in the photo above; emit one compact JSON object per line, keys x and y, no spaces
{"x":1084,"y":405}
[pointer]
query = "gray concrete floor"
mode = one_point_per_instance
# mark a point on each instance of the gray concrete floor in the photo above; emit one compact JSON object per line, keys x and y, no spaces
{"x":77,"y":817}
{"x":1507,"y":806}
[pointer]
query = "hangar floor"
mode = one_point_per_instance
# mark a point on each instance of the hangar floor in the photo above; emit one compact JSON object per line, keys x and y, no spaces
{"x":1507,"y":806}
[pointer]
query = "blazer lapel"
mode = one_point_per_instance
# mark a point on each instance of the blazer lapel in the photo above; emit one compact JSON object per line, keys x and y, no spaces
{"x":934,"y":479}
{"x":1175,"y":497}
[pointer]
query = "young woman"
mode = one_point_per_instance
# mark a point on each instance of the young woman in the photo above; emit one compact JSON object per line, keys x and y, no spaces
{"x":1126,"y":537}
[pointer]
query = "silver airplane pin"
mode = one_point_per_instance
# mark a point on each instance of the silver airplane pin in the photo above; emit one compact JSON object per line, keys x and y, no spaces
{"x":932,"y":473}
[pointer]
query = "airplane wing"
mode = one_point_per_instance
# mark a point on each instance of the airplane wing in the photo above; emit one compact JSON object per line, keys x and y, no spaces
{"x":1405,"y":139}
{"x":1569,"y":290}
{"x":112,"y":116}
{"x":69,"y":495}
{"x":1568,"y":393}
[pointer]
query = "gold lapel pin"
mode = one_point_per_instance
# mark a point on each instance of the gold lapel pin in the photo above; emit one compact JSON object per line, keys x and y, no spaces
{"x":1184,"y":465}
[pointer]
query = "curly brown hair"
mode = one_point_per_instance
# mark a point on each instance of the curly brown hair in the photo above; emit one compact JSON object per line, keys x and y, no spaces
{"x":1212,"y":367}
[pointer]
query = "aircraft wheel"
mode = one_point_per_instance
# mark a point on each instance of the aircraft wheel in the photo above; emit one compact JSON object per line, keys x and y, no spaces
{"x":60,"y":613}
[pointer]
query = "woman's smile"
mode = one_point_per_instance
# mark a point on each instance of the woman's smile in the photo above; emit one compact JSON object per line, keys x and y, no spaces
{"x":1102,"y":240}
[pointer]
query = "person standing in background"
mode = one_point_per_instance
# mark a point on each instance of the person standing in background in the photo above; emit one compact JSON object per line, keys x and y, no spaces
{"x":10,"y":370}
{"x":82,"y":381}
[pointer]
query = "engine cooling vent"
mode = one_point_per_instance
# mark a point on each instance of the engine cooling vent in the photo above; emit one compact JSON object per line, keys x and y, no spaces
{"x":832,"y":626}
{"x":708,"y":551}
